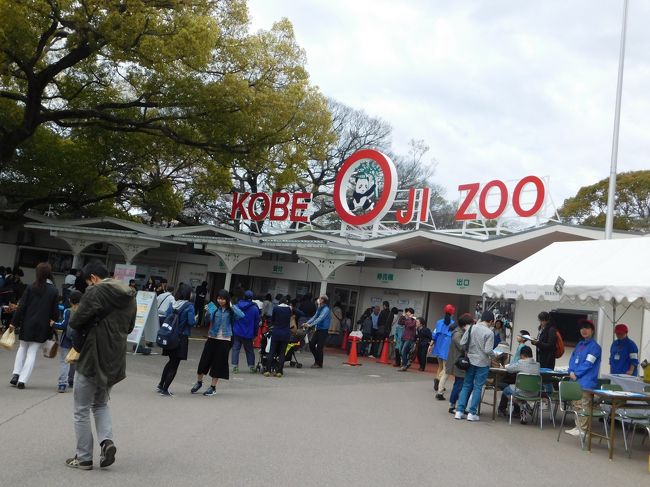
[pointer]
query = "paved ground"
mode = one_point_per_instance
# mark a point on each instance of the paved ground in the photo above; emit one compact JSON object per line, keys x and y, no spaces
{"x":340,"y":426}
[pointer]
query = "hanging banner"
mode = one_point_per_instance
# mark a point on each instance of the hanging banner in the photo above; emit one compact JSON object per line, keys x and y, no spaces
{"x":124,"y":272}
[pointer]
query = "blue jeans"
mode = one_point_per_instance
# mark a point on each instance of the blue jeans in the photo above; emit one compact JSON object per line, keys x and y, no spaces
{"x":237,"y":343}
{"x":455,"y":390}
{"x":475,"y":378}
{"x":406,"y":350}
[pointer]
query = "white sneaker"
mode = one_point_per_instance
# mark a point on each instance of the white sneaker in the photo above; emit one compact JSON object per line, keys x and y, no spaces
{"x":472,"y":417}
{"x":458,"y":415}
{"x":573,"y":432}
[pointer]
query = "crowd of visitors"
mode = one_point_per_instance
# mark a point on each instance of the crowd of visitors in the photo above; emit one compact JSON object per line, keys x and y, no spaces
{"x":94,"y":313}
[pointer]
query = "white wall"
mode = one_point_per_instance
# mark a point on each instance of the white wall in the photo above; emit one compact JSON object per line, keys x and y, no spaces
{"x":401,"y":299}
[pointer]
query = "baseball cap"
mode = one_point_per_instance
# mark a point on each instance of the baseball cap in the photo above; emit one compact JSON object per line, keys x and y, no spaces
{"x":620,"y":328}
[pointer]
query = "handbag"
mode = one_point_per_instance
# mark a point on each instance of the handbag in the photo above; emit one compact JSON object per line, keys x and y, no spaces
{"x":8,"y":339}
{"x":462,"y":362}
{"x":51,"y":347}
{"x":72,"y":357}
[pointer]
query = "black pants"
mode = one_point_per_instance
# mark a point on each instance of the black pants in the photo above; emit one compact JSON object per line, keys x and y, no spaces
{"x":423,"y":348}
{"x":214,"y":359}
{"x":317,"y":345}
{"x":398,"y":357}
{"x":169,"y":372}
{"x":377,"y":338}
{"x":278,"y":347}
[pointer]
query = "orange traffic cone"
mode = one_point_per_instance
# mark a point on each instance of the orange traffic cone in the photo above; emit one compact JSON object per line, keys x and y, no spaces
{"x":384,"y":354}
{"x":344,"y":343}
{"x":352,"y":358}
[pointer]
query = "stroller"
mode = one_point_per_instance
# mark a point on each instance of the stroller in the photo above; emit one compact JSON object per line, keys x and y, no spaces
{"x":289,"y":355}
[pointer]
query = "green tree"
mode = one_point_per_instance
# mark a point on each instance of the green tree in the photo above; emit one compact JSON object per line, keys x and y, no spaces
{"x":144,"y":105}
{"x":631,"y":208}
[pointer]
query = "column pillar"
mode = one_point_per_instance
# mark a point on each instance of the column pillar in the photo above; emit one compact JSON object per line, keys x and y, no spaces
{"x":226,"y":284}
{"x":76,"y":260}
{"x":323,"y":287}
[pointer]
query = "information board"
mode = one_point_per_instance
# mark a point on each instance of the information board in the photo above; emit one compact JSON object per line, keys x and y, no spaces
{"x":146,"y":314}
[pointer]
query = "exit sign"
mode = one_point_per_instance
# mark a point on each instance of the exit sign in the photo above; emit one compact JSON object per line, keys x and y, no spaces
{"x":384,"y":277}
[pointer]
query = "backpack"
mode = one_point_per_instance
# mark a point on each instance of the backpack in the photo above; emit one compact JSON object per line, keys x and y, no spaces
{"x":559,"y":345}
{"x":169,"y":337}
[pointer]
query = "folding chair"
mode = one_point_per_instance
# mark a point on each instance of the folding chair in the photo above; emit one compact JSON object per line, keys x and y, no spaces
{"x":530,"y":384}
{"x":572,"y":391}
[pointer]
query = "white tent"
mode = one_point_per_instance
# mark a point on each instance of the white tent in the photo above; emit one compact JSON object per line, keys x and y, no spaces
{"x":596,"y":271}
{"x":605,"y":273}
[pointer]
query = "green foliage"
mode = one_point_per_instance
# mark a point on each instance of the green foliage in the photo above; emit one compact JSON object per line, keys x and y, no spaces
{"x":125,"y":106}
{"x":631,"y":209}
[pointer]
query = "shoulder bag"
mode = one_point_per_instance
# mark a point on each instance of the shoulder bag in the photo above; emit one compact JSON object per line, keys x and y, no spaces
{"x":462,"y":362}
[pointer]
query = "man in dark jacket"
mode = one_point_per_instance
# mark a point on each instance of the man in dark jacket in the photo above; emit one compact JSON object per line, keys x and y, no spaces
{"x":545,"y":342}
{"x":385,"y":322}
{"x":105,"y":317}
{"x":280,"y":336}
{"x":244,"y":330}
{"x":199,"y":301}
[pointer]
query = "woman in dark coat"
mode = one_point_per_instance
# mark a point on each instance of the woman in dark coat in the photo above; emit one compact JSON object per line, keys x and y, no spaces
{"x":37,"y":311}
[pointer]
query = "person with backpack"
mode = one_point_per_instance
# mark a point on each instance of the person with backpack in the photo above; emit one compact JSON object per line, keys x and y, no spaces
{"x":546,"y":341}
{"x":181,"y":320}
{"x":244,"y":330}
{"x":214,"y":358}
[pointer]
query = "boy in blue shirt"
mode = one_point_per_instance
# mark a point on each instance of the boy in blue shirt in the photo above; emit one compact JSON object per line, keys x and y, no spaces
{"x":624,"y":354}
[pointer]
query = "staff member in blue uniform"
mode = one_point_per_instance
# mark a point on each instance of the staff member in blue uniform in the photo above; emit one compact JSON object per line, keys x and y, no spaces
{"x":624,"y":354}
{"x":584,"y":366}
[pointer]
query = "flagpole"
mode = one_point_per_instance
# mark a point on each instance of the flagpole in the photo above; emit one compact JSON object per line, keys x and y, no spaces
{"x":611,"y":194}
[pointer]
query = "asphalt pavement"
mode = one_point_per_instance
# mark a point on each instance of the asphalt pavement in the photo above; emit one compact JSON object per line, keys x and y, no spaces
{"x":339,"y":426}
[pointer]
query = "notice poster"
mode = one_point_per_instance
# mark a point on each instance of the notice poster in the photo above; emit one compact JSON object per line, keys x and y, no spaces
{"x":124,"y":272}
{"x":146,"y":312}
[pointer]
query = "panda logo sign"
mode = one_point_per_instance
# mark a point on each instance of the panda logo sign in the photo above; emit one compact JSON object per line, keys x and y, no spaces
{"x":365,"y":187}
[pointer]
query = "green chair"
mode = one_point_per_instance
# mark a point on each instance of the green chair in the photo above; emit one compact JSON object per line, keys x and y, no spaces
{"x":572,"y":391}
{"x":528,"y":388}
{"x":601,"y":382}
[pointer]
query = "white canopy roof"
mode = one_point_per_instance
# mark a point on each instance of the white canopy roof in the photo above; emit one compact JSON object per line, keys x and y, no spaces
{"x":594,"y":272}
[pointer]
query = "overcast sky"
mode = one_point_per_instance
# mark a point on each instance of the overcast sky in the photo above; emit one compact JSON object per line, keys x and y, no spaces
{"x":498,"y":89}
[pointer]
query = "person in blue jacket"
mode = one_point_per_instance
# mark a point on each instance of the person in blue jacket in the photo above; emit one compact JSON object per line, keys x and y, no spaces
{"x":244,"y":330}
{"x":321,"y":320}
{"x":440,"y":348}
{"x":584,"y":367}
{"x":186,"y":320}
{"x":66,"y":371}
{"x":214,"y":358}
{"x":624,"y":354}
